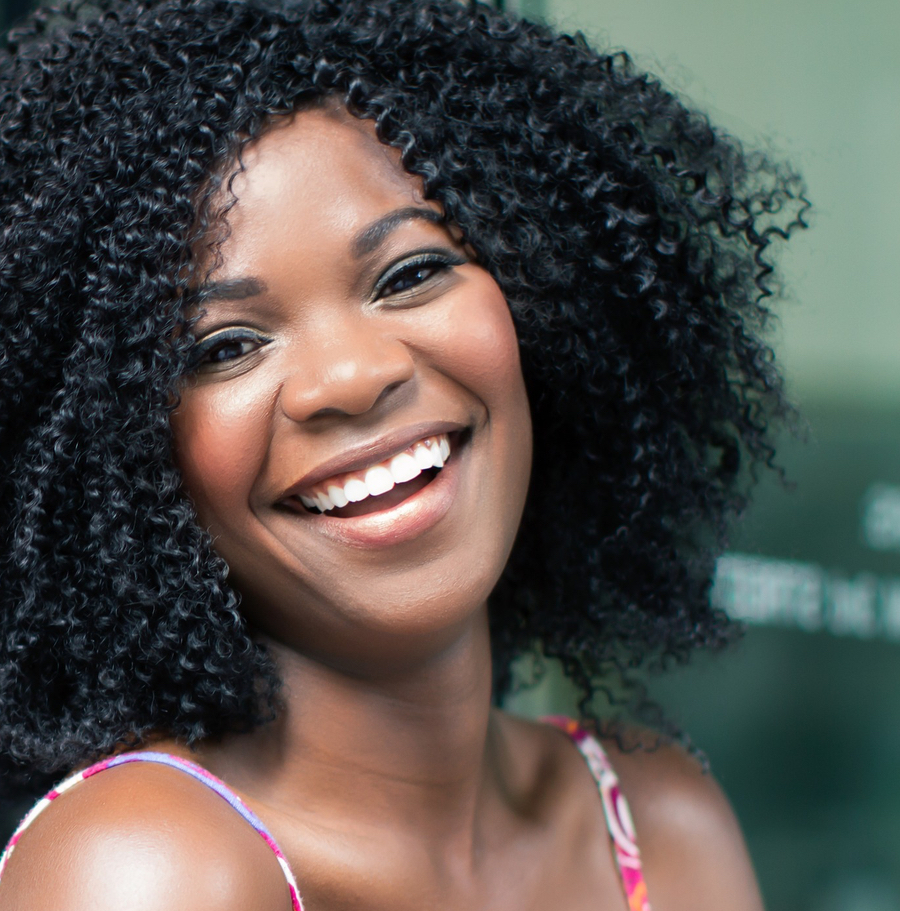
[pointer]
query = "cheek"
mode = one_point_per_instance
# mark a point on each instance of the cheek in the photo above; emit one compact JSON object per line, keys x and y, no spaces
{"x":483,"y":352}
{"x":484,"y":348}
{"x":220,"y":441}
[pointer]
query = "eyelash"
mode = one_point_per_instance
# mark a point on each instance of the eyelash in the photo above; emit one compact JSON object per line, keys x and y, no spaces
{"x":436,"y":263}
{"x":200,"y":356}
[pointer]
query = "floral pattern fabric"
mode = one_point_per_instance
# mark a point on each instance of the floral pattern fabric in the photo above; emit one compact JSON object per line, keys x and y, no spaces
{"x":175,"y":762}
{"x":615,"y":808}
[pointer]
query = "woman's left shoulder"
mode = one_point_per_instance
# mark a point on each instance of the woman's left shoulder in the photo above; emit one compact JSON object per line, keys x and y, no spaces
{"x":692,"y":851}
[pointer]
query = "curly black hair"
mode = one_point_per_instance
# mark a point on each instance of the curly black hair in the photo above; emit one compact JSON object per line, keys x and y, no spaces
{"x":628,"y":235}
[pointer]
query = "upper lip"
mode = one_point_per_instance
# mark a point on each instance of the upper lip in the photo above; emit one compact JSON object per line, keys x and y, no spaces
{"x":369,"y":453}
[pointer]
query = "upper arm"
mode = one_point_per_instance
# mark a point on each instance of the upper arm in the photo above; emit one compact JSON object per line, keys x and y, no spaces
{"x":143,"y":839}
{"x":693,"y":853}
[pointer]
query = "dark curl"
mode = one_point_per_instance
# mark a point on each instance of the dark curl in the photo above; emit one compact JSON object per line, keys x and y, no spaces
{"x":627,"y":234}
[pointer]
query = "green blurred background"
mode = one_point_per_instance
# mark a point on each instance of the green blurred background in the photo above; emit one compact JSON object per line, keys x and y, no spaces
{"x":800,"y":721}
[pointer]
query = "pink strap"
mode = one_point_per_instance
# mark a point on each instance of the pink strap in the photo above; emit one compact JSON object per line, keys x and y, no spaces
{"x":175,"y":762}
{"x":615,"y":808}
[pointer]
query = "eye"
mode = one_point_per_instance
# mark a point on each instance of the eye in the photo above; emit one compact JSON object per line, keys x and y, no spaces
{"x":223,"y":348}
{"x":415,"y":271}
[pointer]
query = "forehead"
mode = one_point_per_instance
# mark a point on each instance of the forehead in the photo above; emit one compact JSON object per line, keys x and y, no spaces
{"x":318,"y":174}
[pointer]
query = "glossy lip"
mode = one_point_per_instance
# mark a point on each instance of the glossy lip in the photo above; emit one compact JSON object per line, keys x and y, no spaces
{"x":404,"y":522}
{"x":368,"y":454}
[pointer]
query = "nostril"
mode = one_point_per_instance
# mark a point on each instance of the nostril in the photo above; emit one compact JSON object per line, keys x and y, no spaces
{"x":390,"y":391}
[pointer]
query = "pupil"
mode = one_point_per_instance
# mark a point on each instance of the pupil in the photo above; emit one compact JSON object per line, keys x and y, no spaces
{"x":413,"y":277}
{"x":227,"y":351}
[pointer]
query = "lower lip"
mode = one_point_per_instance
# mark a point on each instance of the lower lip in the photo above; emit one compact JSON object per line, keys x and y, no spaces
{"x":405,"y":521}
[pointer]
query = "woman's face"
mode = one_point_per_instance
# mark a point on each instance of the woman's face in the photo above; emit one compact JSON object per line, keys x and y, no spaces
{"x":346,"y":341}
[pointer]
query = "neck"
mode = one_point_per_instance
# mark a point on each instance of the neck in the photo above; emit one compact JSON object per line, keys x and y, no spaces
{"x":416,"y":750}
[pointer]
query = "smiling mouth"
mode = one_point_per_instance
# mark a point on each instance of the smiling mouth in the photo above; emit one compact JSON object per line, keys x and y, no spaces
{"x":381,"y":485}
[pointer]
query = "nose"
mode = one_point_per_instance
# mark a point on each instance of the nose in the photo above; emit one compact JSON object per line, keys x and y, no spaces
{"x":350,"y":373}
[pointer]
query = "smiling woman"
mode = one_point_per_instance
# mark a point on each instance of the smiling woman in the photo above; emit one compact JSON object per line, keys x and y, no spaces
{"x":376,"y":347}
{"x":354,"y":350}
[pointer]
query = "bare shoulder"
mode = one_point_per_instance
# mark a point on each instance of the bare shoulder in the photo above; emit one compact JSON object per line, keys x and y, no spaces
{"x":145,"y":837}
{"x":692,"y":849}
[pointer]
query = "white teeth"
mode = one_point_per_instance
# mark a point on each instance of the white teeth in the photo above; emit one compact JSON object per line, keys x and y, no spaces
{"x":423,"y":457}
{"x":379,"y":480}
{"x":356,"y":490}
{"x":404,"y":468}
{"x":428,"y":453}
{"x":338,"y":497}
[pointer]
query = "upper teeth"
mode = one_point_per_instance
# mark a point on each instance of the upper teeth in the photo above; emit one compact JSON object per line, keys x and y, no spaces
{"x":430,"y":452}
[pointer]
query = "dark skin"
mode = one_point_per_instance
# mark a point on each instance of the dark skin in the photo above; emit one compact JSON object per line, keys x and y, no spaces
{"x":345,"y":322}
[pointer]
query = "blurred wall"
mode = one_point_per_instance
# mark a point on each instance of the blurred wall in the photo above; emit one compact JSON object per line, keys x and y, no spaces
{"x":800,"y":722}
{"x":13,"y":10}
{"x":819,"y":81}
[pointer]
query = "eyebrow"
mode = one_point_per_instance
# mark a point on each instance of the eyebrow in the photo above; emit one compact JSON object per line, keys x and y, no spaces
{"x":234,"y":289}
{"x":370,"y":238}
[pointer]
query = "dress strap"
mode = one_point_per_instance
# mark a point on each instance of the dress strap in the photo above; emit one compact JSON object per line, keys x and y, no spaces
{"x":615,"y":809}
{"x":175,"y":762}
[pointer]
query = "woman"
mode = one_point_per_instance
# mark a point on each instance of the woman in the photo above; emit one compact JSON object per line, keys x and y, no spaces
{"x":284,"y":292}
